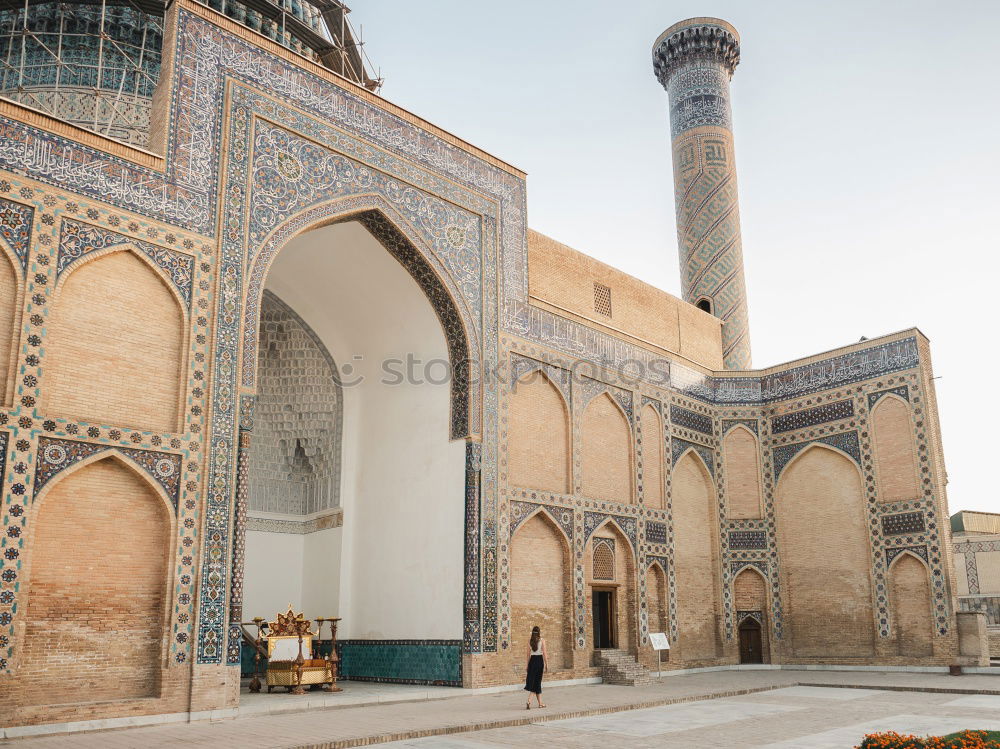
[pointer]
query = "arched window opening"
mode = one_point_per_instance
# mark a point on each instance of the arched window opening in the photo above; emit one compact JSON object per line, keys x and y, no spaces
{"x":704,"y":304}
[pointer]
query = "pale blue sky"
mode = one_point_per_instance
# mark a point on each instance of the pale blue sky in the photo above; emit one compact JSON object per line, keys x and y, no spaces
{"x":867,"y":154}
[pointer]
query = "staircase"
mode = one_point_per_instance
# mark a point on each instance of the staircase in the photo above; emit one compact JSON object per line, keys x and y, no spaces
{"x":618,"y":667}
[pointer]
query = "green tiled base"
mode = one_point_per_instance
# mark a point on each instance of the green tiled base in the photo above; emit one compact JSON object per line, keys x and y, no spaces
{"x":436,"y":662}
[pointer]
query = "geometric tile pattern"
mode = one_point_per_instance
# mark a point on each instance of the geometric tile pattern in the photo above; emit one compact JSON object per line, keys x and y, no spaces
{"x":679,"y":447}
{"x":656,"y":532}
{"x":56,"y":455}
{"x":691,"y":419}
{"x":15,"y":228}
{"x":627,"y":525}
{"x":908,"y":522}
{"x":902,"y":391}
{"x":811,"y":416}
{"x":402,"y":661}
{"x":890,"y":554}
{"x":78,"y":240}
{"x":846,"y":442}
{"x":747,"y":540}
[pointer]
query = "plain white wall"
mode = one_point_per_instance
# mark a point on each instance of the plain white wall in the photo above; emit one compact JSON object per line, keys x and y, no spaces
{"x":272,"y":574}
{"x":403,"y":479}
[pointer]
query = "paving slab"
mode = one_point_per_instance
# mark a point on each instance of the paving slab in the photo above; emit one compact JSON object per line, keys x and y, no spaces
{"x":747,"y":708}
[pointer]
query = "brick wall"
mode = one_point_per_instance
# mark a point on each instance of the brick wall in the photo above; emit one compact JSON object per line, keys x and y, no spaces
{"x":9,"y":308}
{"x":116,"y":326}
{"x":825,"y":558}
{"x":750,"y":594}
{"x":894,"y":450}
{"x":97,"y":580}
{"x":540,"y":592}
{"x":656,"y":600}
{"x":742,"y":467}
{"x":652,"y":459}
{"x":910,"y":598}
{"x":538,"y":441}
{"x":606,"y":451}
{"x":696,"y":562}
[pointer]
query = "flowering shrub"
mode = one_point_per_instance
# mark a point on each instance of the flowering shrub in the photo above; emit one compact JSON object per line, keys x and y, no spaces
{"x":963,"y":740}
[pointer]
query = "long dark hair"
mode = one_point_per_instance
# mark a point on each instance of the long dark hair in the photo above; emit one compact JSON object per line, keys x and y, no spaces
{"x":536,"y":635}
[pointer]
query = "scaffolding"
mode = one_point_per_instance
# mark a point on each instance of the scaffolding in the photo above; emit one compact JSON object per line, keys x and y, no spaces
{"x":96,"y":64}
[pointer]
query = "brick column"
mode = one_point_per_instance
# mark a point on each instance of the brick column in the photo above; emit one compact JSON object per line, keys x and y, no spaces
{"x":694,"y":61}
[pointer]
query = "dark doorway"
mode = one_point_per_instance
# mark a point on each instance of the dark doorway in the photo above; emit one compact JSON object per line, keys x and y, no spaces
{"x":750,"y":642}
{"x":604,"y":619}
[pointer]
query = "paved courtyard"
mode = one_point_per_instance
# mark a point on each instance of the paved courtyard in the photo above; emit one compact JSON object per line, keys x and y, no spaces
{"x":785,"y":718}
{"x":772,"y":709}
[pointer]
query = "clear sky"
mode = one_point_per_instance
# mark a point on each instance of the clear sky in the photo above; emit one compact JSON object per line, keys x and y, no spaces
{"x":867,"y":153}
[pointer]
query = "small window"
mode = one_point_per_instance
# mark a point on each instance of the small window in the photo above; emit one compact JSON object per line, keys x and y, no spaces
{"x":705,"y":305}
{"x":602,"y":299}
{"x":604,"y":560}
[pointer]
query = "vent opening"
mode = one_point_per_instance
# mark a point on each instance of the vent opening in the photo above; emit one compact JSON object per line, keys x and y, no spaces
{"x":602,"y":299}
{"x":704,"y":305}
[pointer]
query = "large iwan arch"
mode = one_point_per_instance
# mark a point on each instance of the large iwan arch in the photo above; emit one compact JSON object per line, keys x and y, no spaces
{"x":375,"y":307}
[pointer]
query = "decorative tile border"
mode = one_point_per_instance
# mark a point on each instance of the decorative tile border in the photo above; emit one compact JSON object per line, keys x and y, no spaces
{"x":679,"y":447}
{"x":432,"y":662}
{"x":811,"y":416}
{"x":846,"y":442}
{"x":15,"y":229}
{"x":56,"y":455}
{"x":78,"y":240}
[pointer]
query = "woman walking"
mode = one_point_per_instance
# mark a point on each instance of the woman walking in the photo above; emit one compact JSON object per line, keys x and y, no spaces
{"x":538,"y":661}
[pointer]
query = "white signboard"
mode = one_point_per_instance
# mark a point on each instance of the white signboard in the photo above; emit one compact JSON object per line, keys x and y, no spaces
{"x":659,"y":641}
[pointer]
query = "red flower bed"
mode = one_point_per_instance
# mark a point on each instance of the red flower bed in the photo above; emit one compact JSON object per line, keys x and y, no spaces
{"x":963,"y":740}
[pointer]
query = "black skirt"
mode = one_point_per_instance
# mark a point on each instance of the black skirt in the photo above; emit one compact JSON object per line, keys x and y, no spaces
{"x":533,"y":684}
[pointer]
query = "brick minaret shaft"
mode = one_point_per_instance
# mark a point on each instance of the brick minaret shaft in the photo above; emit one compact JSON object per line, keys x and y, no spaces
{"x":694,"y":61}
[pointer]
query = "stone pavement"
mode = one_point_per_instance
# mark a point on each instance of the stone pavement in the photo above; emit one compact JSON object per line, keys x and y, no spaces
{"x":725,"y":708}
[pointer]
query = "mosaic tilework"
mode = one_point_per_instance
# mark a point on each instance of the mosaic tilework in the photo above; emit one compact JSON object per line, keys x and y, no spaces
{"x":811,"y":416}
{"x":750,"y":424}
{"x":874,"y":361}
{"x":747,"y":540}
{"x":586,"y":389}
{"x":77,"y":240}
{"x":214,"y":571}
{"x":678,"y":447}
{"x":891,"y":554}
{"x":757,"y":616}
{"x":688,"y":419}
{"x":907,"y":522}
{"x":15,"y":228}
{"x":902,"y":391}
{"x":627,"y":525}
{"x":437,"y":662}
{"x":56,"y":455}
{"x":520,"y":366}
{"x":656,"y":532}
{"x":736,"y":567}
{"x":845,"y":441}
{"x":472,"y":605}
{"x":521,"y":511}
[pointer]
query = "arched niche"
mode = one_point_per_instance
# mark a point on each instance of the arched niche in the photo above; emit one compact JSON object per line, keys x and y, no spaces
{"x":741,"y":464}
{"x":606,"y":451}
{"x":538,"y":435}
{"x":98,"y":582}
{"x":657,"y":602}
{"x":653,"y":490}
{"x":115,"y":345}
{"x":541,"y":590}
{"x":822,"y":533}
{"x":895,"y":450}
{"x":696,"y":558}
{"x":911,"y":607}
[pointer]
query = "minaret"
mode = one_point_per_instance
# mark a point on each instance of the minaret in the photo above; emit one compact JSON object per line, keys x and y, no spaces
{"x":694,"y":60}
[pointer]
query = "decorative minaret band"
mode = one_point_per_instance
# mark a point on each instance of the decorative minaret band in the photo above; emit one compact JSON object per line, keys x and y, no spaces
{"x":694,"y":61}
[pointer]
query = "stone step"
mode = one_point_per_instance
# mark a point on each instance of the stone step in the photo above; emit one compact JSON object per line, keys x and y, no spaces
{"x":620,"y":668}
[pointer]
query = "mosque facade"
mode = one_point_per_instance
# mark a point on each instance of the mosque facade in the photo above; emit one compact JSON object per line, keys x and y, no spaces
{"x":272,"y":339}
